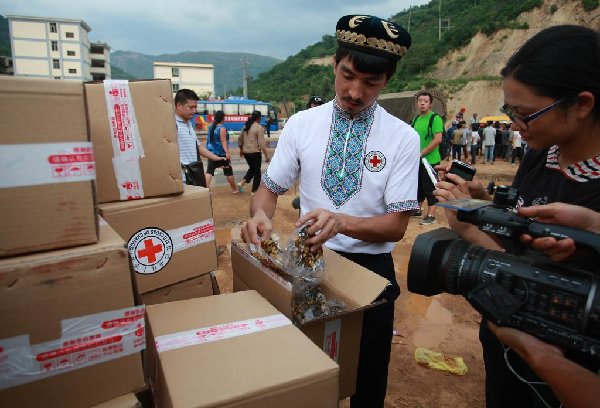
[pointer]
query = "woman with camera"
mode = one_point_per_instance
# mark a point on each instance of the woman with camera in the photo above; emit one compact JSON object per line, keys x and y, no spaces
{"x":552,"y":95}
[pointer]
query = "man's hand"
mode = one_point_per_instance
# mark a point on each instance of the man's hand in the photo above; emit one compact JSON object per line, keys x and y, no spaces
{"x":256,"y":227}
{"x":325,"y":224}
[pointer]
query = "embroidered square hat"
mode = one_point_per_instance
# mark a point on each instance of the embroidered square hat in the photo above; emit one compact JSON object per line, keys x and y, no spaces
{"x":372,"y":35}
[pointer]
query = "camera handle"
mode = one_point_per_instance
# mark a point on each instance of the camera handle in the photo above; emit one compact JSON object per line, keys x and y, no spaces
{"x":583,"y":238}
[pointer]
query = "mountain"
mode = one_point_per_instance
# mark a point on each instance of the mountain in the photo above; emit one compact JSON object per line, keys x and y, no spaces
{"x":228,"y":66}
{"x":118,"y":73}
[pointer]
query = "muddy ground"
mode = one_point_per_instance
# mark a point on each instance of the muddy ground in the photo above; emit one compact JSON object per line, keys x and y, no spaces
{"x":442,"y":323}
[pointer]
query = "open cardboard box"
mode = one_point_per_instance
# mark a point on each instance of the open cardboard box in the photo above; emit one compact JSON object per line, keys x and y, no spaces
{"x":339,"y":335}
{"x":234,"y":350}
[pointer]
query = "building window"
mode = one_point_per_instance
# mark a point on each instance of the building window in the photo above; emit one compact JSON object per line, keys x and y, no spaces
{"x":56,"y":63}
{"x":70,"y":34}
{"x":72,"y":70}
{"x":71,"y":53}
{"x":54,"y":45}
{"x":53,"y":28}
{"x":174,"y":72}
{"x":56,"y":77}
{"x":175,"y":87}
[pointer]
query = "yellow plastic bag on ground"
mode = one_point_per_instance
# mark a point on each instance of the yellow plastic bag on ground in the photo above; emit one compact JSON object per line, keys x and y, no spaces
{"x":438,"y":361}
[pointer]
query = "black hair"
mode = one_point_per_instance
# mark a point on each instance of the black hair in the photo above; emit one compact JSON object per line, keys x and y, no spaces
{"x":369,"y":63}
{"x":219,"y":116}
{"x":559,"y":62}
{"x":184,"y":95}
{"x":253,"y":118}
{"x":425,"y":93}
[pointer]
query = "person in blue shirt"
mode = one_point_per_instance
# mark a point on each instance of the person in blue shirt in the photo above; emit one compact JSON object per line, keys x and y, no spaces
{"x":216,"y":143}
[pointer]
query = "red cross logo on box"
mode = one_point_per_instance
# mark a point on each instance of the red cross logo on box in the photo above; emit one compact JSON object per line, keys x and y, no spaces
{"x":151,"y":249}
{"x":374,"y":161}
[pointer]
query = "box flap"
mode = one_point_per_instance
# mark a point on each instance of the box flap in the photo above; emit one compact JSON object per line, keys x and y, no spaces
{"x":253,"y":275}
{"x":352,"y":280}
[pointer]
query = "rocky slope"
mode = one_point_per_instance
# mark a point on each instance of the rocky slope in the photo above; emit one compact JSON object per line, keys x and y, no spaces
{"x":485,"y":56}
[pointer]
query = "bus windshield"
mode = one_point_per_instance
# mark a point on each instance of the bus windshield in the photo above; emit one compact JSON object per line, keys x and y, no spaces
{"x":237,"y":110}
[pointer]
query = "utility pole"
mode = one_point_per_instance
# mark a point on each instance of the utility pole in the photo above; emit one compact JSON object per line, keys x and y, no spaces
{"x":245,"y":76}
{"x":409,"y":14}
{"x":440,"y":20}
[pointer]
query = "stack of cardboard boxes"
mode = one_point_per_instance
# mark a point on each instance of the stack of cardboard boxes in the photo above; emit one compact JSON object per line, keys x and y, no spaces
{"x":71,"y":334}
{"x":73,"y":323}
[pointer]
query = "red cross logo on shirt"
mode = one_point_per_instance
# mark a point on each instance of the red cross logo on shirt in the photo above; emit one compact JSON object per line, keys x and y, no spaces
{"x":374,"y":161}
{"x":150,"y":250}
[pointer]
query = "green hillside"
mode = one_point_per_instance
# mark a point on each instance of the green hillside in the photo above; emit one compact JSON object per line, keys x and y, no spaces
{"x":297,"y":78}
{"x":228,"y":66}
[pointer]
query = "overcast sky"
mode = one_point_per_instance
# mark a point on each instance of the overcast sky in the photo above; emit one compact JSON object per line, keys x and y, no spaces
{"x":274,"y":28}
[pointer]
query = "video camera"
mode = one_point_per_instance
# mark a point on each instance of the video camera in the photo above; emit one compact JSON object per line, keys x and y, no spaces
{"x":524,"y":289}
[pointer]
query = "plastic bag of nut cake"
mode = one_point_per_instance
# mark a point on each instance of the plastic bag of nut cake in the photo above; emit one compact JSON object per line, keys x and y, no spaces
{"x":304,"y":269}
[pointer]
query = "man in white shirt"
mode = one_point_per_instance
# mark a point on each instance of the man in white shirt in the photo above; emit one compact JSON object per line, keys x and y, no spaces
{"x":358,"y":186}
{"x":186,"y":104}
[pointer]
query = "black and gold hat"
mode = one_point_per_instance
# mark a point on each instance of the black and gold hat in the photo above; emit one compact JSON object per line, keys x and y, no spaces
{"x":373,"y":35}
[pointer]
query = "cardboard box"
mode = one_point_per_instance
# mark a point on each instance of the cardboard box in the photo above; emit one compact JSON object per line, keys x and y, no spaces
{"x":124,"y":401}
{"x":46,"y":167}
{"x":136,"y":148}
{"x":170,"y":239}
{"x":62,"y":338}
{"x":235,"y":350}
{"x":197,"y":287}
{"x":339,"y":335}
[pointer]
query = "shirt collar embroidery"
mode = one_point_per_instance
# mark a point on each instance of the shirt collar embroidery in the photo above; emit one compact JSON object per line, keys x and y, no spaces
{"x":341,"y":177}
{"x":362,"y":115}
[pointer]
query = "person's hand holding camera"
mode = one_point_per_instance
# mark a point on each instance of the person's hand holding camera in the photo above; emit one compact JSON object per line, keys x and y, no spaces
{"x":562,"y":214}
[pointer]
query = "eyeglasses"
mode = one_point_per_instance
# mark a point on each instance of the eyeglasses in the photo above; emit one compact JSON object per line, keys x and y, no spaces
{"x":522,"y":122}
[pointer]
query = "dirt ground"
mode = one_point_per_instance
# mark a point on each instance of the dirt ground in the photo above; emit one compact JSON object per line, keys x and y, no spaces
{"x":443,"y":323}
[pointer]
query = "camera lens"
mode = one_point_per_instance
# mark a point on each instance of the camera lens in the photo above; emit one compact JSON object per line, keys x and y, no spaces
{"x":439,"y":262}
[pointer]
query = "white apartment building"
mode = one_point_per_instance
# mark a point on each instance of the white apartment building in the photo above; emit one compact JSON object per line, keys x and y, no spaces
{"x":100,"y":61}
{"x":198,"y":77}
{"x":45,"y":47}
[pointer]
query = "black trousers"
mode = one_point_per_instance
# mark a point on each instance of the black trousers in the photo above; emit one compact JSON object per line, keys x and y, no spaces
{"x":254,"y":161}
{"x":377,"y":333}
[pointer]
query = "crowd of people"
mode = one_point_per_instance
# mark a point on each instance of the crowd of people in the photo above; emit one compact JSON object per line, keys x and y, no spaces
{"x":362,"y":173}
{"x":488,"y":141}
